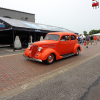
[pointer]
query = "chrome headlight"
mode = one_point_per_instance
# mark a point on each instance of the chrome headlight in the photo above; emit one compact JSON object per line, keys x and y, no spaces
{"x":39,"y":48}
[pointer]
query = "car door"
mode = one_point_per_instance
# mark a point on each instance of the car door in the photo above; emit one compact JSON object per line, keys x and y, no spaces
{"x":64,"y":45}
{"x":73,"y":41}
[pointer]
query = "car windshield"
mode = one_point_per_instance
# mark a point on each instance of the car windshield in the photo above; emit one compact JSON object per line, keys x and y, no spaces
{"x":52,"y":37}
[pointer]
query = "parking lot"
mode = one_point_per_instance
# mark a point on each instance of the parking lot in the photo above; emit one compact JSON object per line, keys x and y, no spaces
{"x":15,"y":70}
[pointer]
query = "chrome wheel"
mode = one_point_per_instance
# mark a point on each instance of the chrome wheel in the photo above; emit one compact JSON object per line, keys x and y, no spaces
{"x":77,"y":51}
{"x":50,"y":59}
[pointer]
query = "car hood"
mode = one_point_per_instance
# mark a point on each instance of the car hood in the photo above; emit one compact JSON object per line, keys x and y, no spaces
{"x":45,"y":42}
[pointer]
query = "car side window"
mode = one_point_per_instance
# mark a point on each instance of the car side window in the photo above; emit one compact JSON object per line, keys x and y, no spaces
{"x":73,"y":37}
{"x":65,"y":38}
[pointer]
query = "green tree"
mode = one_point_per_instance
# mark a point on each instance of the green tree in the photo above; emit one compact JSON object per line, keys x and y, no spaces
{"x":85,"y":33}
{"x":98,"y":31}
{"x":92,"y":32}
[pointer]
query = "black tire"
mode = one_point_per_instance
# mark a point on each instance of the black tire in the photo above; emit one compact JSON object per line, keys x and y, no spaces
{"x":77,"y":51}
{"x":50,"y":59}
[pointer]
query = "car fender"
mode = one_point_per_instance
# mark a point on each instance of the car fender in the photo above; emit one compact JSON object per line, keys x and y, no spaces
{"x":27,"y":52}
{"x":48,"y":51}
{"x":76,"y":46}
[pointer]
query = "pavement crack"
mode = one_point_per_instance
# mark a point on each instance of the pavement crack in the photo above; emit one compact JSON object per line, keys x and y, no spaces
{"x":87,"y":92}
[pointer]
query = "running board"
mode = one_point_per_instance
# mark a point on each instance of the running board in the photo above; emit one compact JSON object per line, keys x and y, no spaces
{"x":68,"y":55}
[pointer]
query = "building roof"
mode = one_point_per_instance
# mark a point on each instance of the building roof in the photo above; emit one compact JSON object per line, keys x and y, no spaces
{"x":29,"y":26}
{"x":16,"y":11}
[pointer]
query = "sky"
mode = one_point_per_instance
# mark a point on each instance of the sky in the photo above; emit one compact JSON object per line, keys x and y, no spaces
{"x":75,"y":15}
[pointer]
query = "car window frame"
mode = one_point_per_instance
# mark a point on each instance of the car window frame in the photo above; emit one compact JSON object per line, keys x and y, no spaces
{"x":65,"y":39}
{"x":73,"y":39}
{"x":52,"y":35}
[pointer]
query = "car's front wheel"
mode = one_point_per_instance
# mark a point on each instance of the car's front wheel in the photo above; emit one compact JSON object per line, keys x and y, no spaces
{"x":50,"y":59}
{"x":77,"y":52}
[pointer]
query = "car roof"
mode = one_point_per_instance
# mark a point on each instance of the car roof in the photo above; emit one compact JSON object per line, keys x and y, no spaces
{"x":62,"y":33}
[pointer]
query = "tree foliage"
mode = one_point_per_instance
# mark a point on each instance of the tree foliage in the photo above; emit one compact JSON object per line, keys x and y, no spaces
{"x":94,"y":32}
{"x":85,"y":33}
{"x":91,"y":32}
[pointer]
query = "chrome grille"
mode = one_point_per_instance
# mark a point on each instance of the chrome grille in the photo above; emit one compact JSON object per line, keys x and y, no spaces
{"x":34,"y":50}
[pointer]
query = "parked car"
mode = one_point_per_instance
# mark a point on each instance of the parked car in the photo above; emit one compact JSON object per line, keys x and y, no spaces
{"x":55,"y":46}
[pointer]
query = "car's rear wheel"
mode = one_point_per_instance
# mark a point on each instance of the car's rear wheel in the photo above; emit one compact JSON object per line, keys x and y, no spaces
{"x":50,"y":59}
{"x":77,"y":52}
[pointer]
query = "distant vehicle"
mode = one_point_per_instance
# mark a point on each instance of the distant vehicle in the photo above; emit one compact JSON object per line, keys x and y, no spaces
{"x":95,"y":4}
{"x":55,"y":46}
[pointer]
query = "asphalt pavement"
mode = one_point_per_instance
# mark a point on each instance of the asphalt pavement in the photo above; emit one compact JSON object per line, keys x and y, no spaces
{"x":80,"y":83}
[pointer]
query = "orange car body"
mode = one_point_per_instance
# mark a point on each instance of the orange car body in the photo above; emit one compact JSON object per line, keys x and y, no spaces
{"x":55,"y":46}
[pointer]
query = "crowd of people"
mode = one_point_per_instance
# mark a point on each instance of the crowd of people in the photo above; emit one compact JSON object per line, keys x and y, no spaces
{"x":88,"y":39}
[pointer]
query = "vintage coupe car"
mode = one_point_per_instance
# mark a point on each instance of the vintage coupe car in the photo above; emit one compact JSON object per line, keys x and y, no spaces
{"x":55,"y":46}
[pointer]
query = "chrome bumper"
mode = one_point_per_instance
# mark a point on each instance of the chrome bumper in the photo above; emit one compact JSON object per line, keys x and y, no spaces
{"x":32,"y":58}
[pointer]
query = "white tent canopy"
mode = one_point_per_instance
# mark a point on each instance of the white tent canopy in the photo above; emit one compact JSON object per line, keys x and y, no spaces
{"x":98,"y":34}
{"x":82,"y":35}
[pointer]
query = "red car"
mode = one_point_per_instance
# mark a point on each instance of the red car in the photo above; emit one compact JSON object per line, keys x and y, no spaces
{"x":95,"y":4}
{"x":55,"y":46}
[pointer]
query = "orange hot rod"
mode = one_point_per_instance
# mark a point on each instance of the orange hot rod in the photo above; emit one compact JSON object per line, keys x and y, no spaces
{"x":55,"y":46}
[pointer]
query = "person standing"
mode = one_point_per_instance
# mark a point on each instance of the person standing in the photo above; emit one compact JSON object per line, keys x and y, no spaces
{"x":91,"y":39}
{"x":79,"y":39}
{"x":82,"y":40}
{"x":95,"y":39}
{"x":87,"y":39}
